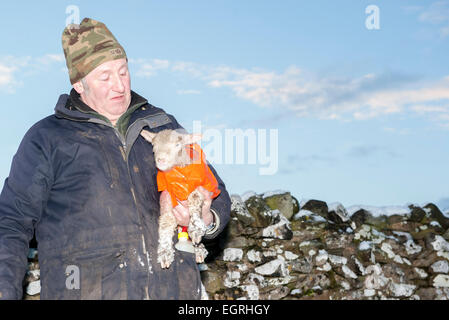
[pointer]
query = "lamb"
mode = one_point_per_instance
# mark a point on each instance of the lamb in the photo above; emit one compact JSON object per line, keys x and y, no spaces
{"x":182,"y":169}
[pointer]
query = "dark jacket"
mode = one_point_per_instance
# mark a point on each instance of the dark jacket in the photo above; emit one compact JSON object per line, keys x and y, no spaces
{"x":89,"y":192}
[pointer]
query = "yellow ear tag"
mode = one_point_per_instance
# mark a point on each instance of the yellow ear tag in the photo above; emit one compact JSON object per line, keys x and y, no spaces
{"x":183,"y":235}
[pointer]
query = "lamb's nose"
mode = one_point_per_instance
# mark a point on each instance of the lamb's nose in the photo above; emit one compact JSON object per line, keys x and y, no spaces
{"x":161,"y":160}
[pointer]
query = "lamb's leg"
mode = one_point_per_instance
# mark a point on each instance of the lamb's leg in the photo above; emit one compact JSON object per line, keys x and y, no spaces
{"x":167,"y":227}
{"x":197,"y":227}
{"x":200,"y":252}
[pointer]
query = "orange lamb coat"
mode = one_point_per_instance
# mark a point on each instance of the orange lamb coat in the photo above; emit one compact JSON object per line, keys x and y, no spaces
{"x":181,"y":181}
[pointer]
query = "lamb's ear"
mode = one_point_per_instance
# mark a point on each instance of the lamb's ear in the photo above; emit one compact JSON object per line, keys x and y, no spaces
{"x":192,"y":138}
{"x":149,"y":136}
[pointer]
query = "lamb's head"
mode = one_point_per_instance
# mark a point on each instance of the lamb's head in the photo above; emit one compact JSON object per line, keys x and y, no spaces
{"x":169,"y":147}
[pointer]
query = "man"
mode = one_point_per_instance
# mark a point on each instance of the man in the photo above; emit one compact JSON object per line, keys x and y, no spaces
{"x":84,"y":181}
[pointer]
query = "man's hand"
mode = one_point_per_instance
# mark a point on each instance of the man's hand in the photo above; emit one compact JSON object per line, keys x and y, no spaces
{"x":181,"y":211}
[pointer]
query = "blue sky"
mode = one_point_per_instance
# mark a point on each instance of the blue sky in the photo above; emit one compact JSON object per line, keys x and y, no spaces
{"x":362,"y":116}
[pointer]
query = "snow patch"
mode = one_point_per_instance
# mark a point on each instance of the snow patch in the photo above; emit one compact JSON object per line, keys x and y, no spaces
{"x":348,"y":272}
{"x":33,"y":288}
{"x":232,"y":279}
{"x":232,"y":254}
{"x":411,"y":247}
{"x":271,"y":267}
{"x":441,"y":280}
{"x":441,"y":266}
{"x":379,"y":211}
{"x":421,"y":273}
{"x":290,"y":255}
{"x":252,"y":291}
{"x":274,"y":193}
{"x":402,"y":289}
{"x":254,"y":256}
{"x":337,"y":260}
{"x":365,"y":245}
{"x":339,"y":210}
{"x":248,"y":194}
{"x":440,"y":244}
{"x":322,"y":257}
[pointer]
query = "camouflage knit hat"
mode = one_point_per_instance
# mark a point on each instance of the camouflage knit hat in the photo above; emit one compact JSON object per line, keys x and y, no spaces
{"x":88,"y":45}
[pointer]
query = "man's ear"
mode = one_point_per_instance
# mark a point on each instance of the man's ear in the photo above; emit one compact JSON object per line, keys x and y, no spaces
{"x":78,"y":86}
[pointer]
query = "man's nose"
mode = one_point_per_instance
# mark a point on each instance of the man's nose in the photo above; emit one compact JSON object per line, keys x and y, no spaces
{"x":119,"y":85}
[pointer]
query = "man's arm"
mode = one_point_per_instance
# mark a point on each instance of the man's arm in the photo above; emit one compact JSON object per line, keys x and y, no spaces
{"x":21,"y":201}
{"x":220,"y":207}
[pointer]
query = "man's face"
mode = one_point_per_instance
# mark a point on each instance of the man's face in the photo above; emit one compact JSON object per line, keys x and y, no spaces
{"x":108,"y":89}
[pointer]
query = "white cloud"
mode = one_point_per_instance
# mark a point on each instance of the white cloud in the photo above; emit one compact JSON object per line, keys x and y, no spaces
{"x":9,"y":67}
{"x":14,"y":69}
{"x":403,"y":131}
{"x":293,"y":91}
{"x":188,"y":67}
{"x":149,"y":68}
{"x":422,"y":109}
{"x":50,"y":58}
{"x":188,"y":91}
{"x":412,"y":8}
{"x":264,"y":88}
{"x":6,"y":75}
{"x":437,"y":14}
{"x":363,"y":151}
{"x":302,"y":93}
{"x":358,"y":98}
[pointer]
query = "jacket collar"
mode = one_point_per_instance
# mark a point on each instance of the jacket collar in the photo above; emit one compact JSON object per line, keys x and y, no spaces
{"x":73,"y":108}
{"x":139,"y":114}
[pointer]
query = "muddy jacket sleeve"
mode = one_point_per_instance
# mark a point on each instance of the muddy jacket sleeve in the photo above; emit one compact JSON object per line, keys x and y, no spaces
{"x":221,"y":205}
{"x":22,"y":200}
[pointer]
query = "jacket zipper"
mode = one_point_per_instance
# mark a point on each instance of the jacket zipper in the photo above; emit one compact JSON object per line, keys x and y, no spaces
{"x":144,"y":247}
{"x":119,"y":136}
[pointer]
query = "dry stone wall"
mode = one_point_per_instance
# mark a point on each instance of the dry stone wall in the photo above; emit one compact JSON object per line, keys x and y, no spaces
{"x":277,"y":248}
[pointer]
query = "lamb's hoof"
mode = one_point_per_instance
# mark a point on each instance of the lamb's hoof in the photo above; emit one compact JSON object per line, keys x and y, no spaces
{"x":195,"y":199}
{"x":165,"y":257}
{"x":196,"y":236}
{"x":197,"y":229}
{"x":200,"y":253}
